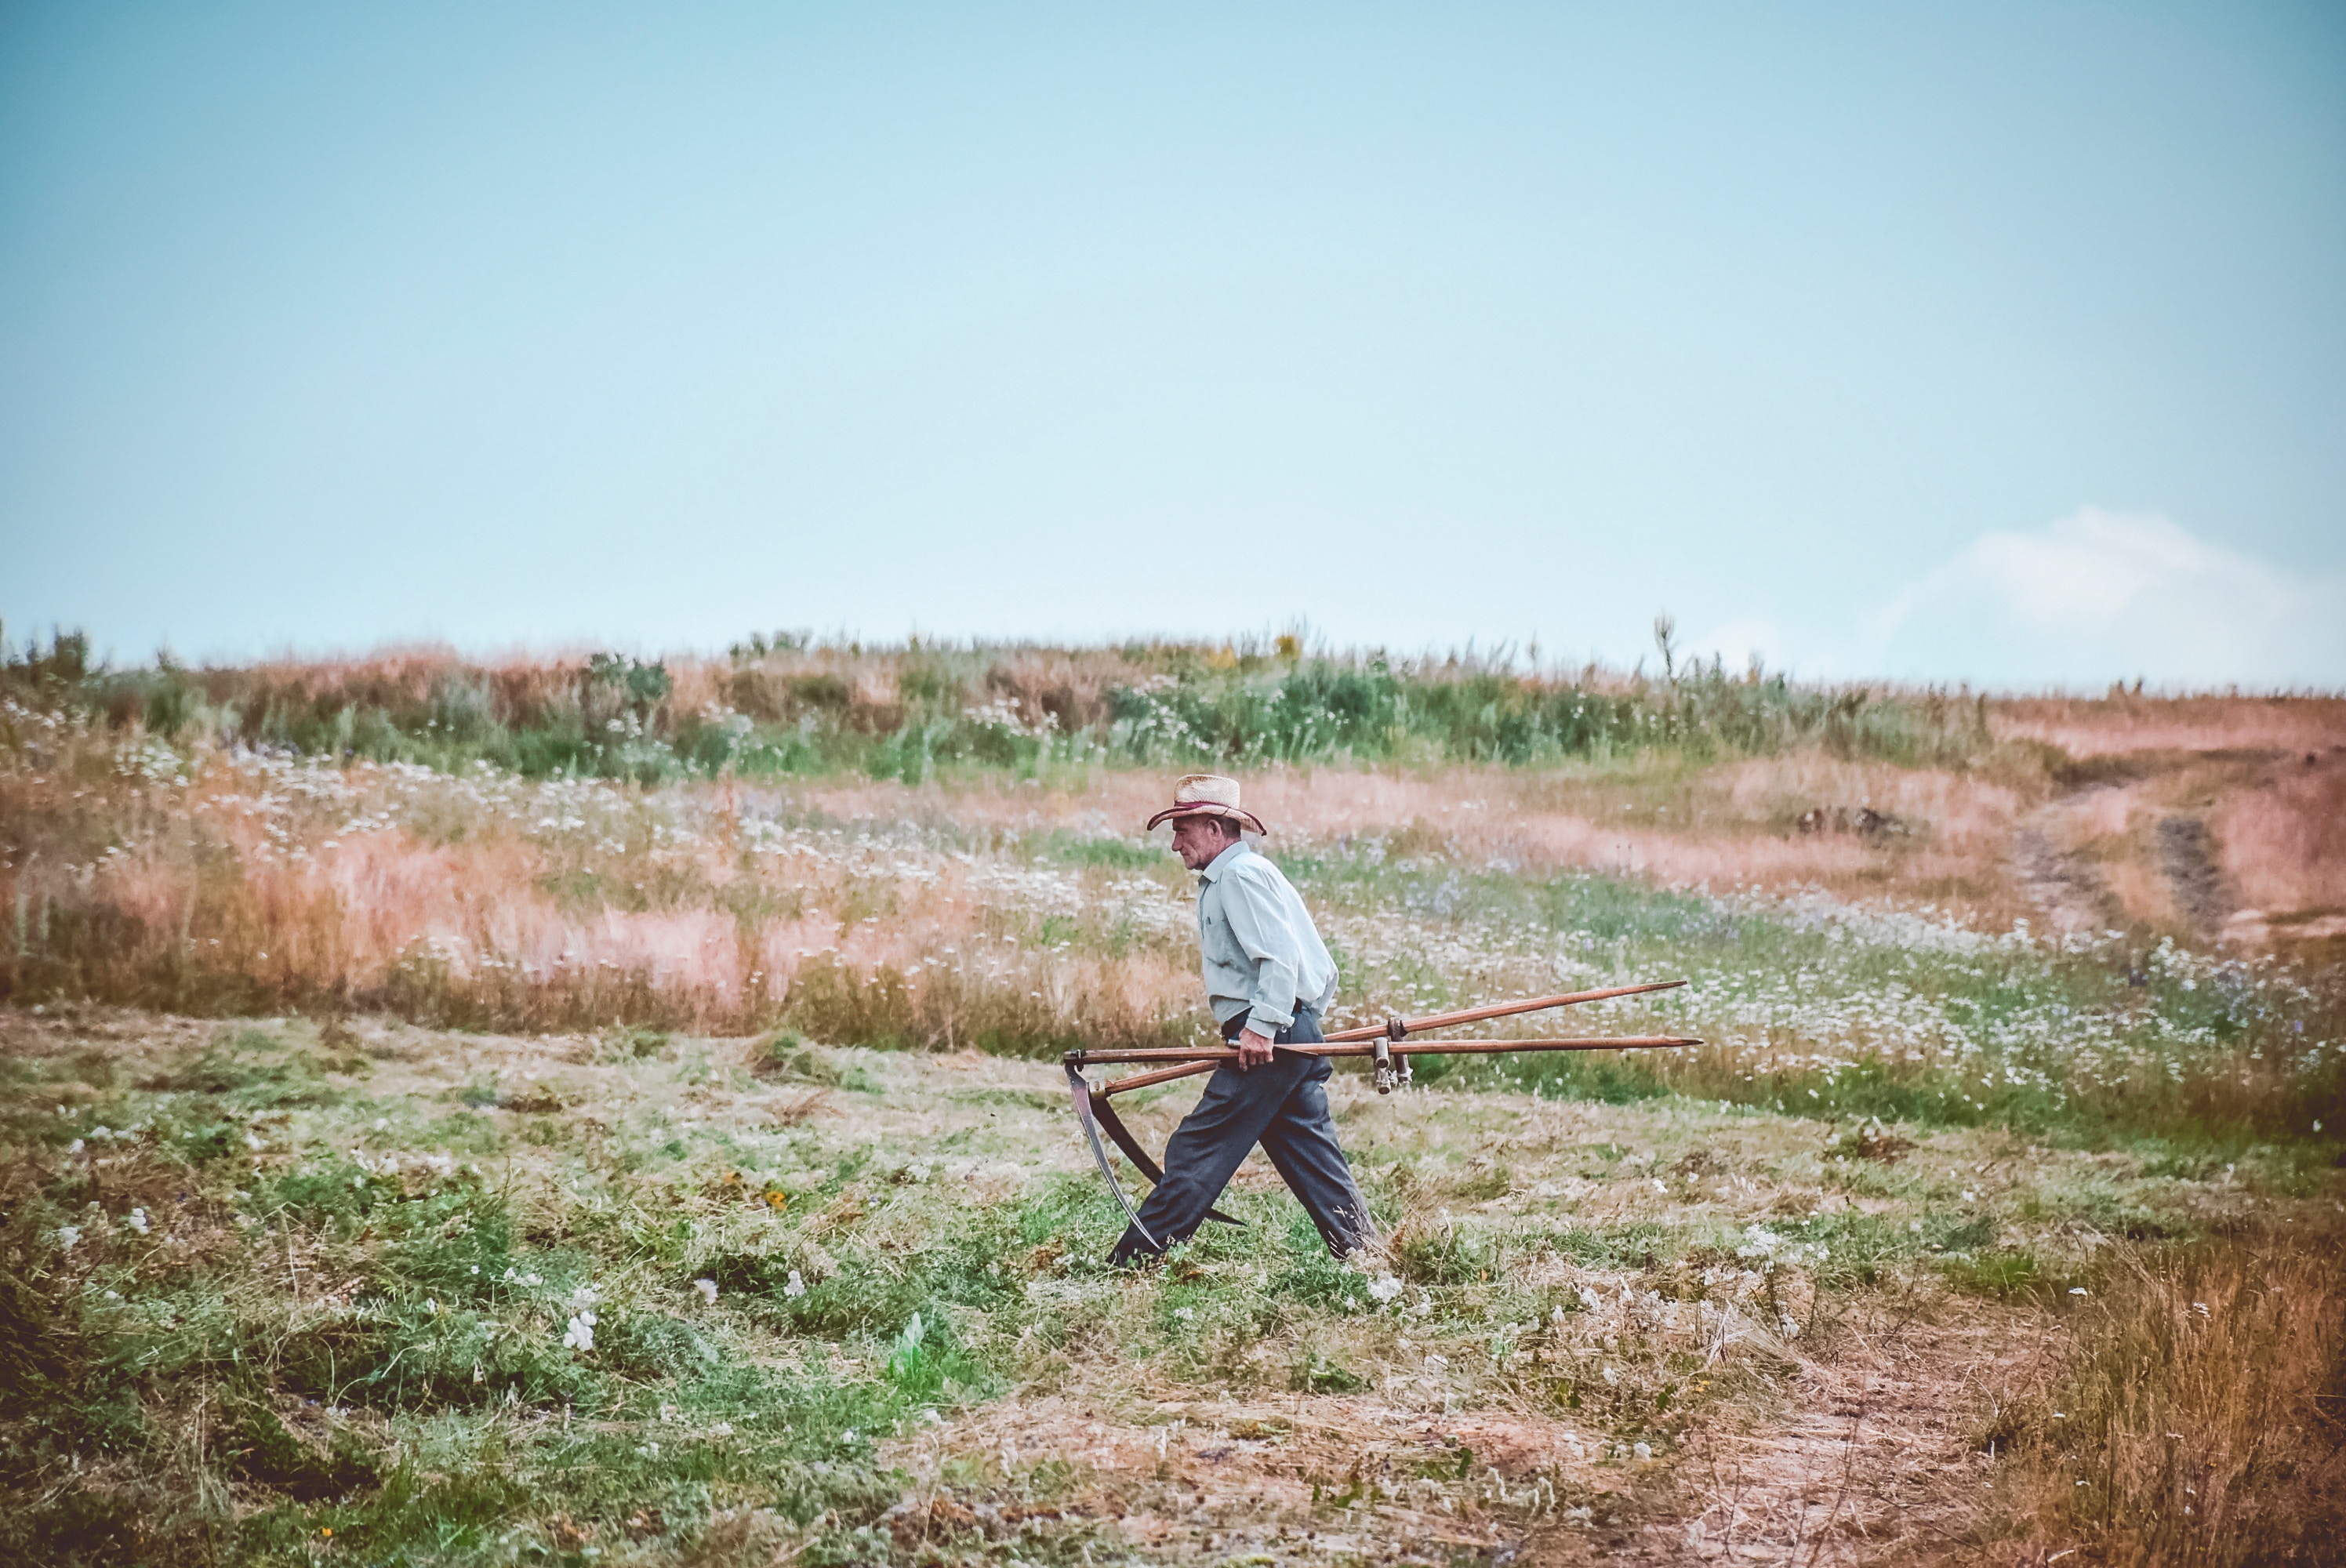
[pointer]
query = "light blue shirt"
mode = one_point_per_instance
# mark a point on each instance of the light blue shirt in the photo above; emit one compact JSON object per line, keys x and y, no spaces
{"x":1258,"y":946}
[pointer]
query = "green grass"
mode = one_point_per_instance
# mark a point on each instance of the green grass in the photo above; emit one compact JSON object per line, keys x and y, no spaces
{"x":364,"y":1248}
{"x":448,"y":1294}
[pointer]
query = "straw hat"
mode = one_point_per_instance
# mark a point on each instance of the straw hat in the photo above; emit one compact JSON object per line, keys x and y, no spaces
{"x":1208,"y":795}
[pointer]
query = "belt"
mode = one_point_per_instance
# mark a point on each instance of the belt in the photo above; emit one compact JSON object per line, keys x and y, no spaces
{"x":1237,"y":1025}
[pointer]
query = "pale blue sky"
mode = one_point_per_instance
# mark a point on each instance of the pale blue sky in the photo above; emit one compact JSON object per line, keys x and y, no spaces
{"x":2000,"y":342}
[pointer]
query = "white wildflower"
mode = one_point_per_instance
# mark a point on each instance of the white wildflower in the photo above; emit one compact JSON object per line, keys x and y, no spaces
{"x":1385,"y":1288}
{"x":794,"y":1286}
{"x":67,"y":1234}
{"x":580,"y":1333}
{"x":137,"y":1220}
{"x":707,"y":1288}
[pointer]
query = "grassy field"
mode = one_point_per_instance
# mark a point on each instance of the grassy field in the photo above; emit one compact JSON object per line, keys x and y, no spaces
{"x":414,"y":1159}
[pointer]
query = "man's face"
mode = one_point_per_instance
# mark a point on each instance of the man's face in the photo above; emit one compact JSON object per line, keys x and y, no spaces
{"x":1197,"y":840}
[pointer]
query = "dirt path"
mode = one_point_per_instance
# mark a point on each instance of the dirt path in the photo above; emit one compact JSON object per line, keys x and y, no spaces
{"x":2072,"y":894}
{"x":2187,"y":860}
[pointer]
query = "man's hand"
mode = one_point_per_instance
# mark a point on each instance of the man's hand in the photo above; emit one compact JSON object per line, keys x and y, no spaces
{"x":1254,"y":1049}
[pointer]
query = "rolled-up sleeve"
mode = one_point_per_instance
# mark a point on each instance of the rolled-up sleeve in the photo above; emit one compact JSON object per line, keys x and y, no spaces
{"x":1259,"y":922}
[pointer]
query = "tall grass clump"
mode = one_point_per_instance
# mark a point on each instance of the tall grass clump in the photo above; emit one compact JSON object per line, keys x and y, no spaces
{"x":2201,"y":1413}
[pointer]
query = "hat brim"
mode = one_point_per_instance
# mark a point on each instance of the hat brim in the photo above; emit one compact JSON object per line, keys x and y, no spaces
{"x":1207,"y":809}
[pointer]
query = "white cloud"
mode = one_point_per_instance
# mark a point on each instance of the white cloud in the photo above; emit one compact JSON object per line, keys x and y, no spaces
{"x":2100,"y":596}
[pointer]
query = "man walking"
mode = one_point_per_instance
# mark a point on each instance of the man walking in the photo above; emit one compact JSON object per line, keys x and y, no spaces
{"x":1270,"y":979}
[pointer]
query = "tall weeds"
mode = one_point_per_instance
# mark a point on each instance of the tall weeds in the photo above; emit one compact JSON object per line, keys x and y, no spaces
{"x":2201,"y":1416}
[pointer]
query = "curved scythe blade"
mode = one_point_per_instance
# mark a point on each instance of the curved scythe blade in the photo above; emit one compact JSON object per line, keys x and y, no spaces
{"x":1081,"y":1090}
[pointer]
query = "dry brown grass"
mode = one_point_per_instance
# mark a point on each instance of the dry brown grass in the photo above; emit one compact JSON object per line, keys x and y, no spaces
{"x":236,"y":894}
{"x":2284,"y":848}
{"x":527,"y":685}
{"x":1730,"y":827}
{"x":2200,"y":1414}
{"x":867,"y":688}
{"x":2117,"y":726}
{"x":240,"y":893}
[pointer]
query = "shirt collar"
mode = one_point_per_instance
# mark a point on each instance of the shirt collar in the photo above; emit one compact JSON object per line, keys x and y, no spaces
{"x":1221,"y":863}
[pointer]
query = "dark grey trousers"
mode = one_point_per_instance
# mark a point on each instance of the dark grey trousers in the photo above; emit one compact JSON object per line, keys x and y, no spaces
{"x":1283,"y":1107}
